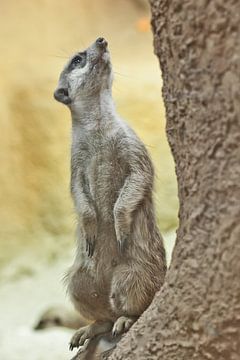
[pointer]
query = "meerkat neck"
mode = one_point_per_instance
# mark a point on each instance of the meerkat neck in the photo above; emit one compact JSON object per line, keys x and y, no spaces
{"x":98,"y":110}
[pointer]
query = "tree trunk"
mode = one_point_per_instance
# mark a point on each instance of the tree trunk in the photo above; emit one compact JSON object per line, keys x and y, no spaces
{"x":196,"y":315}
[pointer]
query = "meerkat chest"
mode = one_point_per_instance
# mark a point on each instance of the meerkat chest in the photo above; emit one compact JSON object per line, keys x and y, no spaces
{"x":104,"y":170}
{"x":99,"y":154}
{"x":107,"y":168}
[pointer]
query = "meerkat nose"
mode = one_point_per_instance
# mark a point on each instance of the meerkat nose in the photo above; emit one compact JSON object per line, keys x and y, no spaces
{"x":62,"y":95}
{"x":101,"y":42}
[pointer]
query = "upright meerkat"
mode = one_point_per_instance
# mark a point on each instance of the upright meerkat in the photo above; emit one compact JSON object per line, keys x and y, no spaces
{"x":120,"y":259}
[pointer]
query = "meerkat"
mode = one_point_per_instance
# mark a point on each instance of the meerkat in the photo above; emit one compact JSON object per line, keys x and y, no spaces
{"x":60,"y":316}
{"x":120,"y":258}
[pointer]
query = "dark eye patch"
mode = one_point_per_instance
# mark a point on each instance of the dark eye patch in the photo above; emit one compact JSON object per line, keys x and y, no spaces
{"x":78,"y":61}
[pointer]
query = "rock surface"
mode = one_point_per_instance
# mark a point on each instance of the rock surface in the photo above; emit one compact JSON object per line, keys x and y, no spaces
{"x":196,"y":315}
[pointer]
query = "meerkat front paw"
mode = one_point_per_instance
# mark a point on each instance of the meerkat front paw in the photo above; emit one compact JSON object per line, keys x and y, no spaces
{"x":122,"y":237}
{"x":122,"y":240}
{"x":90,"y":233}
{"x":90,"y":245}
{"x":122,"y":227}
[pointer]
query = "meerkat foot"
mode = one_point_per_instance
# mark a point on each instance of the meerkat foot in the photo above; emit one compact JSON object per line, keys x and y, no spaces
{"x":88,"y":332}
{"x":123,"y":324}
{"x":82,"y":353}
{"x":78,"y":337}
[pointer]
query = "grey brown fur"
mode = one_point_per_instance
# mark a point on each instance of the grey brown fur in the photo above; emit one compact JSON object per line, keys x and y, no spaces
{"x":120,"y":259}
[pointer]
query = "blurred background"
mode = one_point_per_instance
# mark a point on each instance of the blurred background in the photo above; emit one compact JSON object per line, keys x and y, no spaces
{"x":36,"y":212}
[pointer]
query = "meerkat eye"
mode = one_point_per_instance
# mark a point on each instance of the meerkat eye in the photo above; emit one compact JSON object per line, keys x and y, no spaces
{"x":78,"y":60}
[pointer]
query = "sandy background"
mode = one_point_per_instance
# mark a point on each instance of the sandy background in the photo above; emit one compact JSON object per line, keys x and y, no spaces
{"x":36,"y":215}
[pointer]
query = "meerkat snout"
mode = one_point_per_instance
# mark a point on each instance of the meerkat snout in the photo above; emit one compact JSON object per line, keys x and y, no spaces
{"x":62,"y":95}
{"x":102,"y":42}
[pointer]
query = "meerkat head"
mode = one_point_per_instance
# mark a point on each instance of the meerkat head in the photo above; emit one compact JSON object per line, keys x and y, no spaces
{"x":86,"y":74}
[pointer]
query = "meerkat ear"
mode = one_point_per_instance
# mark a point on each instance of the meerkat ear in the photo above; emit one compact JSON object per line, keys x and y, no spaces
{"x":62,"y":95}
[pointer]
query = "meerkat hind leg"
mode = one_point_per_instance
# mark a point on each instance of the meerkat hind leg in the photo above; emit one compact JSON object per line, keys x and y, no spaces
{"x":89,"y":332}
{"x":95,"y":349}
{"x":123,"y":324}
{"x":88,"y":351}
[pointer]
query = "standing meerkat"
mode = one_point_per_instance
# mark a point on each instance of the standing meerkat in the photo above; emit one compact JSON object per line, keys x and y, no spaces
{"x":120,"y":258}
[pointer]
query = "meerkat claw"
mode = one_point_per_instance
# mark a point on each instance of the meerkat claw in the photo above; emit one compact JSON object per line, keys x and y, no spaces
{"x":122,"y":244}
{"x":71,"y":347}
{"x":90,"y":247}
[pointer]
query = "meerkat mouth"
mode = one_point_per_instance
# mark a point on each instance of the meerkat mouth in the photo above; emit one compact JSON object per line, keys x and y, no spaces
{"x":103,"y":60}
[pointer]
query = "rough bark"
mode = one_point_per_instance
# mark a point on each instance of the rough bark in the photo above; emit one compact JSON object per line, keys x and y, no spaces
{"x":196,"y":315}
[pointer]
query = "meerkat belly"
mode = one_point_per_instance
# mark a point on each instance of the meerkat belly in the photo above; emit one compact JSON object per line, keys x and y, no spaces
{"x":89,"y":294}
{"x":90,"y":281}
{"x":106,"y":174}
